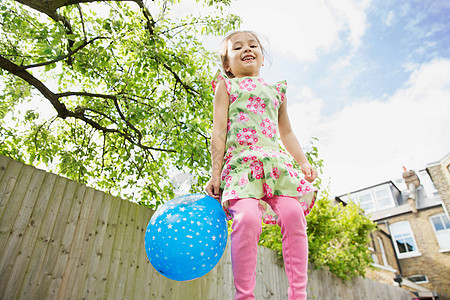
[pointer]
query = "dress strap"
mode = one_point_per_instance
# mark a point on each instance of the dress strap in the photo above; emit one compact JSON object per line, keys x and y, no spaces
{"x":218,"y":77}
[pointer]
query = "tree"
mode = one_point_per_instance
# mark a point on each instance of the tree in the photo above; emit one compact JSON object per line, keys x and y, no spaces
{"x":128,"y":86}
{"x":130,"y":102}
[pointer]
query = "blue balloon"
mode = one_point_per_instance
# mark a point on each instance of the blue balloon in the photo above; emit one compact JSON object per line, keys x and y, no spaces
{"x":186,"y":237}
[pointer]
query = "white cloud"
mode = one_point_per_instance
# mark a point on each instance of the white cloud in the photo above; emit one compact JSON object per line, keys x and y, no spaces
{"x":304,"y":113}
{"x":368,"y":142}
{"x":302,"y":28}
{"x":389,"y":20}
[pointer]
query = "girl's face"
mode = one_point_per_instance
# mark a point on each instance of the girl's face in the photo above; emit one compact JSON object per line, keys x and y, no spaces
{"x":245,"y":57}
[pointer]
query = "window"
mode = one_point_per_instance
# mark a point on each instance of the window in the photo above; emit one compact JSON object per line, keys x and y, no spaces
{"x":366,"y":202}
{"x":404,"y":242}
{"x":418,"y":278}
{"x":384,"y":198}
{"x":383,"y":253}
{"x":441,"y":227}
{"x":375,"y":199}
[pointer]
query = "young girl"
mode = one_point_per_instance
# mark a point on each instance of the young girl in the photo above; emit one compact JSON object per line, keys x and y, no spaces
{"x":251,"y":175}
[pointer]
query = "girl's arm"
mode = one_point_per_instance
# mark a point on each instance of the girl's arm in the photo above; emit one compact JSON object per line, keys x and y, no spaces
{"x":291,"y":143}
{"x":218,"y":137}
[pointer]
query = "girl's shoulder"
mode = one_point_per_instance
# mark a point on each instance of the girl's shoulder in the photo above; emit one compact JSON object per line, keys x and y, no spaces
{"x":218,"y":77}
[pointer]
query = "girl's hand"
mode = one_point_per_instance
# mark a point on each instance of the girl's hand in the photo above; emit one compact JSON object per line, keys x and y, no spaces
{"x":213,"y":187}
{"x":309,"y":172}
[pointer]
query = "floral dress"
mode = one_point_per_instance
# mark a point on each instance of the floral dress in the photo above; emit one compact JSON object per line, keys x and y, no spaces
{"x":255,"y":166}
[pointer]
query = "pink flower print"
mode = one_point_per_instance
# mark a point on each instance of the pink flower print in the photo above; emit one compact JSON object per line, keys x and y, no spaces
{"x":226,"y":171}
{"x":303,"y":190}
{"x":247,"y":136}
{"x":257,"y":169}
{"x":228,"y":180}
{"x":228,"y":125}
{"x":256,"y":105}
{"x":268,"y":128}
{"x":275,"y":102}
{"x":214,"y":84}
{"x":302,"y":181}
{"x":256,"y":148}
{"x":283,"y":95}
{"x":247,"y":84}
{"x":291,"y":171}
{"x":243,"y":181}
{"x":275,"y":173}
{"x":233,"y":97}
{"x":248,"y":158}
{"x":229,"y":153}
{"x":242,"y":117}
{"x":262,"y":81}
{"x":267,"y":190}
{"x":268,"y":219}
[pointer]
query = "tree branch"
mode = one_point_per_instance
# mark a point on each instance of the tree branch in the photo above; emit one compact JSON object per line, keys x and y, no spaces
{"x":116,"y":103}
{"x":65,"y":56}
{"x":61,"y":109}
{"x":20,"y":72}
{"x":85,"y":94}
{"x":188,"y":88}
{"x":49,"y":7}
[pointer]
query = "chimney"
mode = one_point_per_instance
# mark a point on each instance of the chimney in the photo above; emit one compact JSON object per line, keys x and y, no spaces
{"x":412,"y":182}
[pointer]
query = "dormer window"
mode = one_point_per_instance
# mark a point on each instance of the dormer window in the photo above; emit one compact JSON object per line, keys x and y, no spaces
{"x":374,"y":199}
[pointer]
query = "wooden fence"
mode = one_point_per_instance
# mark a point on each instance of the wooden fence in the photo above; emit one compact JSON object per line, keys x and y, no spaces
{"x":62,"y":240}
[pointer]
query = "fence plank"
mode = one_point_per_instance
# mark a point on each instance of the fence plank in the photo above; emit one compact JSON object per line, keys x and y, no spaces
{"x":62,"y":236}
{"x":98,"y":236}
{"x":87,"y":239}
{"x":31,"y":236}
{"x":107,"y":247}
{"x":124,"y":257}
{"x":73,"y":274}
{"x":10,"y":172}
{"x":4,"y":162}
{"x":62,"y":267}
{"x":45,"y":224}
{"x":17,"y":179}
{"x":143,"y":268}
{"x":115,"y":282}
{"x":13,"y":256}
{"x":54,"y":234}
{"x":130,"y":262}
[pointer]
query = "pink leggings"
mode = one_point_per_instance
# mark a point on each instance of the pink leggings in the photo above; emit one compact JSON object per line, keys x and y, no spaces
{"x":247,"y":228}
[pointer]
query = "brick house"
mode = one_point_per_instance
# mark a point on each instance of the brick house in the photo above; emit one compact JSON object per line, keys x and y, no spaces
{"x":412,"y":244}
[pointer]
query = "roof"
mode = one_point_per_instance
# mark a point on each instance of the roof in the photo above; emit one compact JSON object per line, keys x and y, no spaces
{"x":370,"y":187}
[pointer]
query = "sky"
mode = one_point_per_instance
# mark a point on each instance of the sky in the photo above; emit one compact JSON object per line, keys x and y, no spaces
{"x":369,"y":79}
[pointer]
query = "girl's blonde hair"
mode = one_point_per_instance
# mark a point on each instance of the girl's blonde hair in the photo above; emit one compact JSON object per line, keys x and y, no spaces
{"x":224,"y":49}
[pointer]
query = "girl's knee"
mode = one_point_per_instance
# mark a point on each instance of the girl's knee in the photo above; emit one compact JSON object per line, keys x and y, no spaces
{"x":249,"y":220}
{"x":292,"y":219}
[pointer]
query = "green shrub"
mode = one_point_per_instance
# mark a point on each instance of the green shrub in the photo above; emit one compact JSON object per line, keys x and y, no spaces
{"x":338,"y":238}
